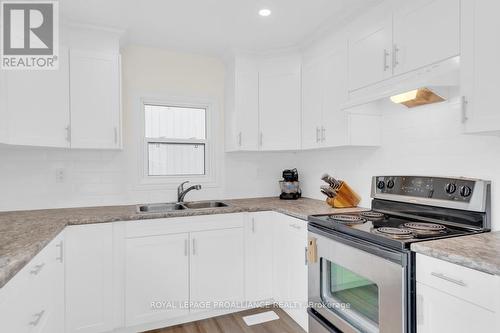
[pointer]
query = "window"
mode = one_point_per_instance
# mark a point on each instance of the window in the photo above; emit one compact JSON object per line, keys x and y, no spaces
{"x":176,"y":140}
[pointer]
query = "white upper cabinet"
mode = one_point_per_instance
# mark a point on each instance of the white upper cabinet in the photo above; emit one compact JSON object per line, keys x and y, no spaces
{"x":425,"y":32}
{"x":243,"y":105}
{"x":313,"y":78}
{"x":75,"y":106}
{"x":95,"y":100}
{"x":370,"y":54}
{"x":280,"y":103}
{"x":37,"y":105}
{"x":399,"y":40}
{"x":480,"y":67}
{"x":324,"y":90}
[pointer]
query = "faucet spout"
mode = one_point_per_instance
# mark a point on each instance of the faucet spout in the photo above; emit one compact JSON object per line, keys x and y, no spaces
{"x":181,"y":192}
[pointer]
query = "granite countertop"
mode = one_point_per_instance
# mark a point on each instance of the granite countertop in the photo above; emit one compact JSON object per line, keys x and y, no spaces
{"x":25,"y":233}
{"x":480,"y":252}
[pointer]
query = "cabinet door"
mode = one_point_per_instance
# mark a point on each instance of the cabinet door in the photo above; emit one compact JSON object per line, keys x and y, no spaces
{"x":370,"y":55}
{"x":334,"y":131}
{"x":480,"y":68}
{"x":279,"y":104}
{"x":313,"y":81}
{"x":247,"y":109}
{"x":89,"y":278}
{"x":95,"y":100}
{"x":258,"y":257}
{"x":296,"y":244}
{"x":439,"y":312}
{"x":425,"y":32}
{"x":37,"y":105}
{"x":157,"y":271}
{"x":217,"y":270}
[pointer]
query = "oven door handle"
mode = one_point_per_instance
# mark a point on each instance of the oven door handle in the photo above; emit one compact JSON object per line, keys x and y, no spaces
{"x":329,"y":327}
{"x":391,"y":255}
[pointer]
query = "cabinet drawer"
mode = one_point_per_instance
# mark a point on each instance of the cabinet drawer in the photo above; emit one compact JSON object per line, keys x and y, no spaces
{"x":28,"y":300}
{"x":177,"y":225}
{"x":465,"y":283}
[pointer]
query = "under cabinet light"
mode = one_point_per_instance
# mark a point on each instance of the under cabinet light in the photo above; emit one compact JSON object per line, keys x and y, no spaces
{"x":417,"y":97}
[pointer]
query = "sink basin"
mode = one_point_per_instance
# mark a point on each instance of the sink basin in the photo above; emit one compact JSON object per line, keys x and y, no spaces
{"x":172,"y":207}
{"x":204,"y":204}
{"x":160,"y":208}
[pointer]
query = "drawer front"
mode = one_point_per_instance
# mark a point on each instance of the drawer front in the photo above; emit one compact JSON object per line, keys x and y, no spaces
{"x":470,"y":285}
{"x":174,"y":225}
{"x":29,"y":299}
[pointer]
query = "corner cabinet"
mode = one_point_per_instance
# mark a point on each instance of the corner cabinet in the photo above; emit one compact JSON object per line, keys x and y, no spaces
{"x":455,"y":299}
{"x":480,"y":68}
{"x":95,"y":100}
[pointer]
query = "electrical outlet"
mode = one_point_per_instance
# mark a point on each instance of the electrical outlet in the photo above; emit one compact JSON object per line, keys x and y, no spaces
{"x":60,"y":175}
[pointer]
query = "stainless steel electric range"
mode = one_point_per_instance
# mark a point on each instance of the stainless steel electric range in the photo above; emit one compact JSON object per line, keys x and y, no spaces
{"x":362,"y":272}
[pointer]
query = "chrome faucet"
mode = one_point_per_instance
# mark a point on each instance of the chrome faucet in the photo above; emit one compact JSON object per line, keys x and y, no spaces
{"x":181,"y":192}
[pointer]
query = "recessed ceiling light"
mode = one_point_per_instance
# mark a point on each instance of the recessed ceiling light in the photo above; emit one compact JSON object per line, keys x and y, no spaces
{"x":264,"y":12}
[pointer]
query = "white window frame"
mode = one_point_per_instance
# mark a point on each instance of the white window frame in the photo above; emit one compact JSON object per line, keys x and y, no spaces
{"x":169,"y":182}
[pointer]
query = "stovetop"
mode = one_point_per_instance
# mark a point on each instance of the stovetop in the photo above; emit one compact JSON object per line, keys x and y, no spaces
{"x":386,"y":229}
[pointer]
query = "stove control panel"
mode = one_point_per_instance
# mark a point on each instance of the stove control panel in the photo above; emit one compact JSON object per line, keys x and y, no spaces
{"x":450,"y":189}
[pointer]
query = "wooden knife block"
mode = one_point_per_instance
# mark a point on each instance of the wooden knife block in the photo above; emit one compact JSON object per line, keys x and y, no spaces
{"x":346,"y":197}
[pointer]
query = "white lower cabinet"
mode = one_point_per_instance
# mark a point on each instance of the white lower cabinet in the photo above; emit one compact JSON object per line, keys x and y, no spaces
{"x":89,"y":278}
{"x":290,"y":267}
{"x":455,"y":299}
{"x":33,"y":300}
{"x":259,"y":241}
{"x":217,"y":269}
{"x":157,"y":278}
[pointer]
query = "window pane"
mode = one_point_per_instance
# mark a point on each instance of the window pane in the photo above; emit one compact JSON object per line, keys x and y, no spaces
{"x":174,"y":122}
{"x":171,"y":159}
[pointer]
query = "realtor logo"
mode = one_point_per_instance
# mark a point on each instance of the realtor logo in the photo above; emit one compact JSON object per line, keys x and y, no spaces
{"x":30,"y":35}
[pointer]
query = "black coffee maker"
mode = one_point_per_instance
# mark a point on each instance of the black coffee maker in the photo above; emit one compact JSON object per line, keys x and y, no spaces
{"x":290,"y":185}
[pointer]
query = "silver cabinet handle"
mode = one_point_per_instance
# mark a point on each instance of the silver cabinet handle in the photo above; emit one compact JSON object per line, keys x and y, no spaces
{"x":395,"y":61}
{"x":38,"y":316}
{"x":323,"y":134}
{"x":37,"y":269}
{"x":68,"y":133}
{"x":449,"y":279}
{"x":295,"y":226}
{"x":61,"y":251}
{"x":239,"y":139}
{"x":186,"y":247}
{"x":194,"y":247}
{"x":386,"y":55}
{"x":317,"y":134}
{"x":305,"y":255}
{"x":465,"y":103}
{"x":261,"y":139}
{"x":253,"y":225}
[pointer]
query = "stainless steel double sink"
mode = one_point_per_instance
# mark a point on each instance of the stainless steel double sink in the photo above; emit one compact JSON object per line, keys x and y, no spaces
{"x":179,"y":206}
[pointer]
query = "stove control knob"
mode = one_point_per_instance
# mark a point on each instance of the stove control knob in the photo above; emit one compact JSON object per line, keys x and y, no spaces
{"x":465,"y":191}
{"x":450,"y":188}
{"x":390,"y":184}
{"x":381,"y":184}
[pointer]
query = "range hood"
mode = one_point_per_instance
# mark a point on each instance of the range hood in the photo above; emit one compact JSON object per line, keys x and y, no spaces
{"x":429,"y":84}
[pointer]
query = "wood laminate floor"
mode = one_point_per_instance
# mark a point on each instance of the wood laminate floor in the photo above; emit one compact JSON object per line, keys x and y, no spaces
{"x":233,"y":323}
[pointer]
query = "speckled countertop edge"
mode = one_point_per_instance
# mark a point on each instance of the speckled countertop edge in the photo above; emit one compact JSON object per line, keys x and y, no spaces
{"x":23,"y":234}
{"x":480,"y":252}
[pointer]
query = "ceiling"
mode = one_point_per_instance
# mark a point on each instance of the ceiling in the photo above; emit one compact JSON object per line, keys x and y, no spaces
{"x":213,"y":26}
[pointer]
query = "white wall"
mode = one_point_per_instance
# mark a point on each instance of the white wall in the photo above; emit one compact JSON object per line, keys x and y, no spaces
{"x":422,"y":141}
{"x":28,"y":175}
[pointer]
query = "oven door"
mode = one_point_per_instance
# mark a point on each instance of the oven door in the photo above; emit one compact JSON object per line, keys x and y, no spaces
{"x":357,"y":286}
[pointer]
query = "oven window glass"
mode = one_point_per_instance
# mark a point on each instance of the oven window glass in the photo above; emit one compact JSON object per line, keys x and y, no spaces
{"x":353,"y":296}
